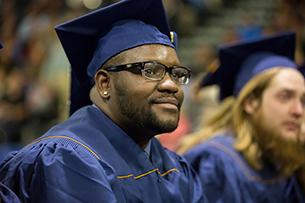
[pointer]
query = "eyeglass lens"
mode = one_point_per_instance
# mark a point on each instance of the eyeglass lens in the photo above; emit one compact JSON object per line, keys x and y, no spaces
{"x":156,"y":71}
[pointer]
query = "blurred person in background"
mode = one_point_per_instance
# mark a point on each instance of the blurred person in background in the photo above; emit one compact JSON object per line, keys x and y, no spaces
{"x":251,"y":149}
{"x":12,"y":111}
{"x":249,"y":29}
{"x":29,"y":103}
{"x":126,"y":88}
{"x":6,"y":195}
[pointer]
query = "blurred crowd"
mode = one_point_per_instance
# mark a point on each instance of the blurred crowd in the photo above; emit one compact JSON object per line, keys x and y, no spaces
{"x":31,"y":78}
{"x":34,"y":70}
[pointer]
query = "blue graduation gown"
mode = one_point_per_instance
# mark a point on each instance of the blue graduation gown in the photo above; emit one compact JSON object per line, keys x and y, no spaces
{"x":226,"y":176}
{"x":88,"y":158}
{"x":7,"y":196}
{"x":5,"y":148}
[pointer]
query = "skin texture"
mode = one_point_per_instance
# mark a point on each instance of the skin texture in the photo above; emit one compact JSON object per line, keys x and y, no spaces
{"x":282,"y":105}
{"x":141,"y":107}
{"x":278,"y":119}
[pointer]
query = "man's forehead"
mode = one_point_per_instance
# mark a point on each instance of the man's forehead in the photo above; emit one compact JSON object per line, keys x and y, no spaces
{"x":288,"y":79}
{"x":149,"y":52}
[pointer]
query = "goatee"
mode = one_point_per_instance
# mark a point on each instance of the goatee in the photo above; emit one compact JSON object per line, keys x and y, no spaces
{"x":286,"y":155}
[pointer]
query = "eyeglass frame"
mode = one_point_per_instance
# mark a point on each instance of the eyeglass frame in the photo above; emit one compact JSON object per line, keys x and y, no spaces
{"x":141,"y":66}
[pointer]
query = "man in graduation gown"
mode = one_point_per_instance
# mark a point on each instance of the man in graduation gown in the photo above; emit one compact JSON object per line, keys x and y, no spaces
{"x":126,"y":88}
{"x":251,"y":149}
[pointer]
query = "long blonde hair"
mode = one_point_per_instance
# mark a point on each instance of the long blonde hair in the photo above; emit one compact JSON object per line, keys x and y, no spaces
{"x":219,"y":120}
{"x":231,"y":116}
{"x":245,"y":141}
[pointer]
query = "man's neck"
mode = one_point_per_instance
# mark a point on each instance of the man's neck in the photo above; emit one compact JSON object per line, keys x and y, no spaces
{"x":140,"y":136}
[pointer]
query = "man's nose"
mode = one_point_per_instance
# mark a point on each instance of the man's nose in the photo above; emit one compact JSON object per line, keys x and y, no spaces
{"x":168,"y":84}
{"x":297,"y":109}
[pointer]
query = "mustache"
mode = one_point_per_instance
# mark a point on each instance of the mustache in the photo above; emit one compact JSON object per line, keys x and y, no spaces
{"x":166,"y":98}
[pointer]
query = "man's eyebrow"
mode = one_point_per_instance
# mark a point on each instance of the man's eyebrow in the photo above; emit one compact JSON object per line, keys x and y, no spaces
{"x":286,"y":90}
{"x":290,"y":91}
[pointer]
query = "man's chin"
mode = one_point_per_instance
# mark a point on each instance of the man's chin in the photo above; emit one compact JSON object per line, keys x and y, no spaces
{"x":291,"y":136}
{"x":164,"y":122}
{"x":167,"y":126}
{"x":289,"y":153}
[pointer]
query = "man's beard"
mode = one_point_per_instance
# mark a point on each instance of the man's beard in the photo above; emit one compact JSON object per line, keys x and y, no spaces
{"x":286,"y":155}
{"x":142,"y":117}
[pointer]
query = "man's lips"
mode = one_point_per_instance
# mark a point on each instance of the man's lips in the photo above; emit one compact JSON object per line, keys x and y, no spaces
{"x":166,"y":101}
{"x":291,"y":125}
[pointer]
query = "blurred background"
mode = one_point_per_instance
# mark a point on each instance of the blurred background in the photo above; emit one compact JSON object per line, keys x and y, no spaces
{"x":34,"y":71}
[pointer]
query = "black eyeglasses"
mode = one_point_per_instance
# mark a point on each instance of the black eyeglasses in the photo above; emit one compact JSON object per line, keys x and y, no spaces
{"x":156,"y":71}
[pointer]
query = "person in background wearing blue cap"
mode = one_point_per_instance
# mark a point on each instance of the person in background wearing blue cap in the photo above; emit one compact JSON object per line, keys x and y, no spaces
{"x":126,"y":88}
{"x":251,"y":149}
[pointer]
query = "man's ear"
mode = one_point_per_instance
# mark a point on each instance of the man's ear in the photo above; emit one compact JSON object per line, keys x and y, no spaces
{"x":251,"y":104}
{"x":102,"y":82}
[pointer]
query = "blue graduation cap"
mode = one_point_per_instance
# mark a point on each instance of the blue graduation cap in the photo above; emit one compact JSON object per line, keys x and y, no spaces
{"x":91,"y":40}
{"x":241,"y":61}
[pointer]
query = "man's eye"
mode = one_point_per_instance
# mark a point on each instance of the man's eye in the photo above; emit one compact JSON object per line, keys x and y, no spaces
{"x":179,"y":73}
{"x":150,"y":71}
{"x":175,"y":75}
{"x":284,"y":96}
{"x":154,"y":70}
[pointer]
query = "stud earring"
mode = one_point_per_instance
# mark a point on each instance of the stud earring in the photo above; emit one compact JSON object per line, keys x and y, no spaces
{"x":105,"y":93}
